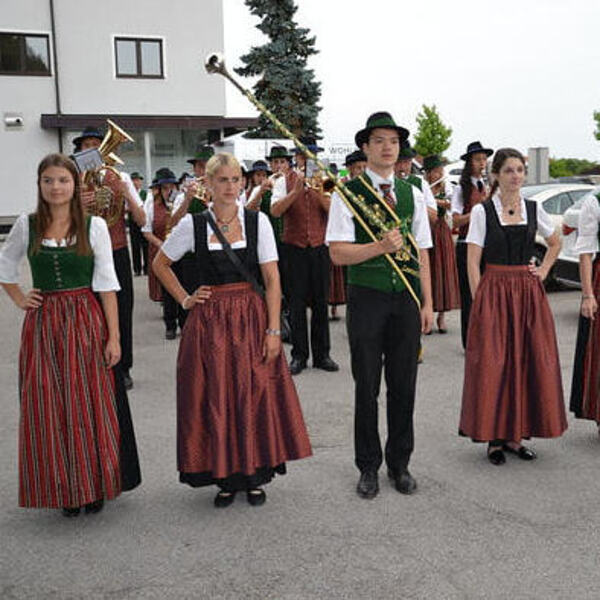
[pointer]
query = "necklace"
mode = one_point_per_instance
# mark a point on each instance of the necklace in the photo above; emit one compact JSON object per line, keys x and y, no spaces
{"x":224,"y":225}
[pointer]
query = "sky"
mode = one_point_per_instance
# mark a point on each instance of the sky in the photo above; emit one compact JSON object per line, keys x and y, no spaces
{"x":511,"y":73}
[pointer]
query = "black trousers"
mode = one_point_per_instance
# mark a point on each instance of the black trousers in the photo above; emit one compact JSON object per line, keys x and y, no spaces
{"x":384,"y":331}
{"x":465,"y":290}
{"x":139,"y":248}
{"x":308,"y":286}
{"x":173,"y":313}
{"x":125,"y":305}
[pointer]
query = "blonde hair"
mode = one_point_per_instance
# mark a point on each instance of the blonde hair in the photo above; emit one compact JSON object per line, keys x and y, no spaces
{"x":222,"y":159}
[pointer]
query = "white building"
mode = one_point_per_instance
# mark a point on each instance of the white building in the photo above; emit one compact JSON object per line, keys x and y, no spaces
{"x":65,"y":64}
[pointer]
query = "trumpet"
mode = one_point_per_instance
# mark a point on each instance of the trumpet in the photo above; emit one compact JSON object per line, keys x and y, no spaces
{"x":106,"y":179}
{"x":357,"y":205}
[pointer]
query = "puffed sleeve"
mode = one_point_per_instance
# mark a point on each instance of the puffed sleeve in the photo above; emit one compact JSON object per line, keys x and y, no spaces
{"x":149,"y":211}
{"x":587,"y":231}
{"x":421,"y":229}
{"x":180,"y":240}
{"x":457,"y":204}
{"x":340,"y":224}
{"x":13,"y":250}
{"x":428,"y":194}
{"x":545,"y":226}
{"x":131,"y":188}
{"x":477,"y":226}
{"x":104,"y":278}
{"x":267,"y":247}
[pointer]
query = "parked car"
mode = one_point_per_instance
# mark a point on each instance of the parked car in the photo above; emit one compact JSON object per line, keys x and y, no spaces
{"x":556,"y":199}
{"x":566,"y":269}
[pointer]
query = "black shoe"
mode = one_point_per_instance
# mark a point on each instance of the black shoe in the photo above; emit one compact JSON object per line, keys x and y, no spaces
{"x":94,"y":507}
{"x":137,"y":273}
{"x":496,"y":457}
{"x":224,"y":499}
{"x":368,"y":485}
{"x":70,"y":512}
{"x":127,"y":380}
{"x":523,"y":452}
{"x":171,"y":334}
{"x":256,"y":497}
{"x":297,"y":366}
{"x":404,"y":482}
{"x":326,"y":364}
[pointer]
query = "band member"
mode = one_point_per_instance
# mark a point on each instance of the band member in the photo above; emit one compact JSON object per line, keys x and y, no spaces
{"x":356,"y":162}
{"x":304,"y":212}
{"x":126,"y":193}
{"x":76,"y":442}
{"x":444,"y":276}
{"x":139,"y":244}
{"x":512,"y":386}
{"x":404,"y":170}
{"x":260,"y":194}
{"x":158,"y":225}
{"x":238,"y":414}
{"x":383,"y":318}
{"x":585,"y":389}
{"x":470,"y":191}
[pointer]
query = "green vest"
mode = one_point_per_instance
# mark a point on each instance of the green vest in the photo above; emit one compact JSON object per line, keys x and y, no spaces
{"x":416,"y":181}
{"x":377,"y":273}
{"x":196,"y":206}
{"x":276,"y":222}
{"x":61,"y":268}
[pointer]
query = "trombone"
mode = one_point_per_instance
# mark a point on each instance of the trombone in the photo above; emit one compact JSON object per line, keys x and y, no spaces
{"x":215,"y":63}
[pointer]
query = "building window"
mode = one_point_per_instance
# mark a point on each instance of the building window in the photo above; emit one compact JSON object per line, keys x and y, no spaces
{"x":24,"y":54}
{"x":138,"y":57}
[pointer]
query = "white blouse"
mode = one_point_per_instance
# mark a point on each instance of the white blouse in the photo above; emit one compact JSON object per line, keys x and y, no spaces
{"x":477,"y":226}
{"x":14,"y":249}
{"x":181,"y":240}
{"x":589,"y":223}
{"x":340,"y":225}
{"x":457,"y":204}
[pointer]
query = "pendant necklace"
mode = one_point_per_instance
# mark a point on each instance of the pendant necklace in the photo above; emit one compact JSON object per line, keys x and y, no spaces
{"x":224,"y":225}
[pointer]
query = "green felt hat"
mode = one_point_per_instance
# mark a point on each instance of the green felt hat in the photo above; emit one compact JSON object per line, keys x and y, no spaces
{"x":406,"y":151}
{"x":278,"y":152}
{"x":431,"y":162}
{"x":204,"y":153}
{"x":379,"y":120}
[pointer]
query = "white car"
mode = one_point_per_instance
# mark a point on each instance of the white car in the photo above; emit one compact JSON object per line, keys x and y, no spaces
{"x":566,"y":269}
{"x":556,"y":198}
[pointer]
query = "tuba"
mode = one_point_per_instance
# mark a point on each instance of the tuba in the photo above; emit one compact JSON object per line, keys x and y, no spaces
{"x":106,"y":180}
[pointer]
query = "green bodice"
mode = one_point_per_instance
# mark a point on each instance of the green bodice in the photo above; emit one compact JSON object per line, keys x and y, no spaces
{"x":276,"y":222}
{"x":59,"y":268}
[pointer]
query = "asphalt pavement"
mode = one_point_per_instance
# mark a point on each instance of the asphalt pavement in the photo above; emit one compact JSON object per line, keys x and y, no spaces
{"x":523,"y":530}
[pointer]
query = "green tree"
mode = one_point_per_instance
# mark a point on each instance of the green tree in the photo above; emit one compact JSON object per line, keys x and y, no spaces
{"x":286,"y":86}
{"x":567,"y":167}
{"x":432,"y":136}
{"x":597,"y":119}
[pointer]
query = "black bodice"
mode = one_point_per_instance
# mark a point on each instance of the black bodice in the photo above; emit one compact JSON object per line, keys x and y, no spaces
{"x":214,"y":267}
{"x":509,"y":244}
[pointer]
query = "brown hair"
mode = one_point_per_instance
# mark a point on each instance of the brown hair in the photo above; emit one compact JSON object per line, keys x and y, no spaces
{"x":501,"y":156}
{"x":43,"y":216}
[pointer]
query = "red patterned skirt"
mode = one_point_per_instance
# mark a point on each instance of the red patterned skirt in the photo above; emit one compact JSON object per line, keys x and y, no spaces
{"x":444,"y":275}
{"x":238,"y":419}
{"x":337,"y":285}
{"x":512,"y":386}
{"x":585,"y":388}
{"x":155,"y":289}
{"x":69,"y":429}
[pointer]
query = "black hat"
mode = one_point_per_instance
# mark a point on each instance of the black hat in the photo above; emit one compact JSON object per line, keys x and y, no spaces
{"x":278,"y":152}
{"x":406,"y":152}
{"x":154,"y":183}
{"x":136,"y":175}
{"x":88,"y":132}
{"x":183,"y":176}
{"x":310,"y":143}
{"x":378,"y":120}
{"x":474,"y":148}
{"x":431,"y":162}
{"x":354,"y":157}
{"x":203,"y":153}
{"x":165,"y":175}
{"x":259,"y":165}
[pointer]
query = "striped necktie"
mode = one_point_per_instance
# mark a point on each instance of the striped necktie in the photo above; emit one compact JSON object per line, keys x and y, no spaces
{"x":387,"y":194}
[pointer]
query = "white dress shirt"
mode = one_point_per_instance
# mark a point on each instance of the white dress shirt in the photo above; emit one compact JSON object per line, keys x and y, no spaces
{"x":340,"y":224}
{"x":457,"y":204}
{"x":589,"y":220}
{"x":14,"y":249}
{"x":181,"y":239}
{"x":478,"y":228}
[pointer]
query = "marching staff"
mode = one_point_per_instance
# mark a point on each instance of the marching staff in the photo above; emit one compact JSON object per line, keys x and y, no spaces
{"x":158,"y":209}
{"x":512,"y":385}
{"x":304,"y":212}
{"x":585,"y":388}
{"x":383,"y":319}
{"x":139,"y":244}
{"x":127,"y":194}
{"x":76,"y":441}
{"x":444,"y":276}
{"x":239,"y":418}
{"x":470,"y":191}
